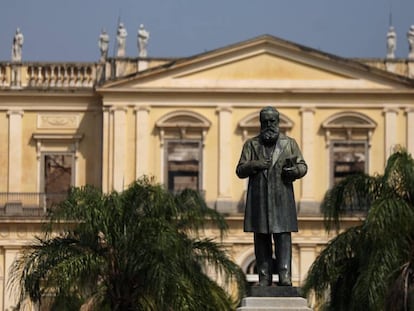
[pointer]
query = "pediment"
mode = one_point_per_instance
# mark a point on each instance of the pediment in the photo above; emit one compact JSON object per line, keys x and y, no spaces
{"x":262,"y":63}
{"x":262,"y":66}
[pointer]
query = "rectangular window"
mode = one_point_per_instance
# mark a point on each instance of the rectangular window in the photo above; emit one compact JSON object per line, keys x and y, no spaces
{"x":348,"y":157}
{"x":183,"y":165}
{"x":57,"y":176}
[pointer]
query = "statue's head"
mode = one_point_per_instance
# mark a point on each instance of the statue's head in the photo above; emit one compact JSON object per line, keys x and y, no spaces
{"x":391,"y":33}
{"x":269,"y":125}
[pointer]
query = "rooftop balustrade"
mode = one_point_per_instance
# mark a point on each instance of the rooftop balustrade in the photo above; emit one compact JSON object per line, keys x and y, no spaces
{"x":61,"y":75}
{"x":48,"y":75}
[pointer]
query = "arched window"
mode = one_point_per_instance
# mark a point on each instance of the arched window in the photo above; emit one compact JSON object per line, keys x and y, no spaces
{"x":250,"y":125}
{"x":182,"y":136}
{"x":348,"y":137}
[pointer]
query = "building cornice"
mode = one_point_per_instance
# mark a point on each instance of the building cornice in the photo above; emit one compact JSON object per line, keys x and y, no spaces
{"x":23,"y":93}
{"x":323,"y":91}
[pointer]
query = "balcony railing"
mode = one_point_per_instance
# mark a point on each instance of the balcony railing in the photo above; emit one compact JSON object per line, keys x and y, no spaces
{"x":49,"y":75}
{"x":28,"y":204}
{"x":64,"y":75}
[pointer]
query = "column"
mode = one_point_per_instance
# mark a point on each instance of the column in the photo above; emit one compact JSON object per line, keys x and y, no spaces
{"x":142,"y":141}
{"x":15,"y":150}
{"x":224,"y":202}
{"x":390,"y":130}
{"x":308,"y":204}
{"x":119,"y":148}
{"x":410,"y":130}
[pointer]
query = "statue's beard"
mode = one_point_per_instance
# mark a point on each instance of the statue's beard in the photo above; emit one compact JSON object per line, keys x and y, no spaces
{"x":269,"y":135}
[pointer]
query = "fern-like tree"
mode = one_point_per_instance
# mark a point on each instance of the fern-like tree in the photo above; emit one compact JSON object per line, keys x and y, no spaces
{"x":370,"y":266}
{"x":135,"y":250}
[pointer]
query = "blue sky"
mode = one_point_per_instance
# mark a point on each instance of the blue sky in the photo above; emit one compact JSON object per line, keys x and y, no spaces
{"x":68,"y":30}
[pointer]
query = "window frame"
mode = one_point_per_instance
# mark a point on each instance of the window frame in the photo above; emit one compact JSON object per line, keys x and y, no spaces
{"x":199,"y":142}
{"x":56,"y":143}
{"x":43,"y":168}
{"x":332,"y":159}
{"x":182,"y":125}
{"x":348,"y":127}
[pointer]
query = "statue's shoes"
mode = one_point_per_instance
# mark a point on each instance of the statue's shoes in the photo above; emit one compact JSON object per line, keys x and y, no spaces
{"x":284,"y":279}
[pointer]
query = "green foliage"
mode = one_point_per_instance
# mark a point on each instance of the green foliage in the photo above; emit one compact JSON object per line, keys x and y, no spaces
{"x":135,"y":250}
{"x":363,"y":267}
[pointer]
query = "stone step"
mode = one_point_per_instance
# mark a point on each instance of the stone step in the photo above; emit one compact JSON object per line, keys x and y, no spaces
{"x":274,"y":304}
{"x":272,"y":309}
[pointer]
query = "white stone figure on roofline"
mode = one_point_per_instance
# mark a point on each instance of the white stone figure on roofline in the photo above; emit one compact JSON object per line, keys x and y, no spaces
{"x":103,"y":45}
{"x":121,"y":40}
{"x":391,"y":43}
{"x":143,"y":36}
{"x":410,"y":37}
{"x":17,"y":46}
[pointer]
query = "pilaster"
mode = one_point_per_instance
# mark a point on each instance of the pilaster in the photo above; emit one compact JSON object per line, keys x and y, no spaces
{"x":410,"y":130}
{"x":224,"y":202}
{"x":308,"y":204}
{"x":390,"y":134}
{"x":15,"y":150}
{"x":142,"y":141}
{"x":119,"y":147}
{"x":106,"y":151}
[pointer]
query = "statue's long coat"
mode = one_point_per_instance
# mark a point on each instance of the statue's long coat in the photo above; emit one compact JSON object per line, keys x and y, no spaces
{"x":270,"y":203}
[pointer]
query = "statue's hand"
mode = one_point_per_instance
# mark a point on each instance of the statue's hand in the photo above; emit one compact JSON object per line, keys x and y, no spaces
{"x":290,"y":174}
{"x":261,"y":164}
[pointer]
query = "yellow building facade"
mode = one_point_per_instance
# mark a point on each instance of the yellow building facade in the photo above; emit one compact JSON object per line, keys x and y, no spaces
{"x":184,"y":121}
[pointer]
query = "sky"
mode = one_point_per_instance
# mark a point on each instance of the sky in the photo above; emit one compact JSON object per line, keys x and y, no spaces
{"x":68,"y":30}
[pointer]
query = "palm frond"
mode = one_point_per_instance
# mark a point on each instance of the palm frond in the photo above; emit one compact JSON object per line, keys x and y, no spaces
{"x":330,"y":266}
{"x":194,"y":212}
{"x":353,"y":194}
{"x":139,"y":249}
{"x":390,"y":218}
{"x":360,"y":265}
{"x":399,"y":175}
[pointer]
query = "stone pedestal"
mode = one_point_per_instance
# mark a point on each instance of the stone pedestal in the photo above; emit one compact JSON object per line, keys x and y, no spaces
{"x":273,"y":291}
{"x":273,"y":299}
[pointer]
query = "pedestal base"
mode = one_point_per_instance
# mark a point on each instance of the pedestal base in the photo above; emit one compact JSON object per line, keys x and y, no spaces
{"x":273,"y":291}
{"x":274,"y":298}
